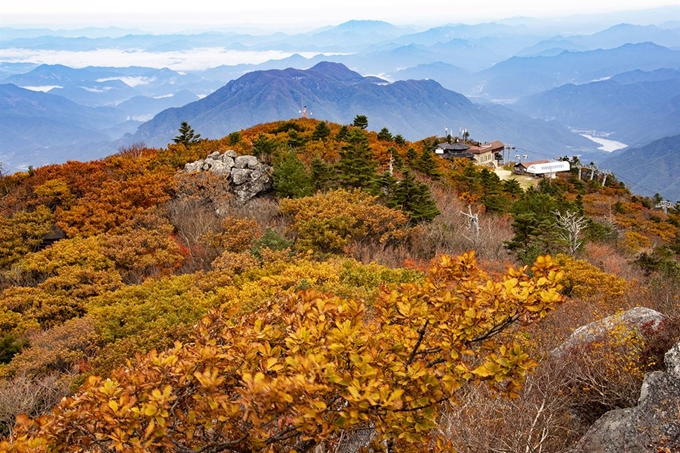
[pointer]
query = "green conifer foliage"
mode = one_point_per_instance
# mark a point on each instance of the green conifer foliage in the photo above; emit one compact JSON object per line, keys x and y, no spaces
{"x":321,"y":132}
{"x":411,"y":157}
{"x":385,"y":135}
{"x":397,"y":161}
{"x":290,"y":177}
{"x":414,"y":198}
{"x":342,"y":134}
{"x":263,"y":147}
{"x":427,"y":165}
{"x":186,"y":135}
{"x":323,"y":175}
{"x":360,"y":121}
{"x":356,"y":168}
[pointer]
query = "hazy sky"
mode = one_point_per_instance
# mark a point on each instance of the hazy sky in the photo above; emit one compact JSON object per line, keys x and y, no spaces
{"x":292,"y":13}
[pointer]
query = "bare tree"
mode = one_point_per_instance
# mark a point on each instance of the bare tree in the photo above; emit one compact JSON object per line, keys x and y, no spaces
{"x":571,"y":226}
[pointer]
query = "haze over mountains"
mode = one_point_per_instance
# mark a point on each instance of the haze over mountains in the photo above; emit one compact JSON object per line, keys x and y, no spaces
{"x":519,"y":81}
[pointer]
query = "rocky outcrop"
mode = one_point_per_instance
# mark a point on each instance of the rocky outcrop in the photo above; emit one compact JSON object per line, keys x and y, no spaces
{"x":652,"y":426}
{"x":248,"y":176}
{"x":646,"y":322}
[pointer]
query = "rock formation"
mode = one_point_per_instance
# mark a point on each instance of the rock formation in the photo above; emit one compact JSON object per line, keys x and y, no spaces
{"x":652,"y":426}
{"x":646,"y":322}
{"x":248,"y":176}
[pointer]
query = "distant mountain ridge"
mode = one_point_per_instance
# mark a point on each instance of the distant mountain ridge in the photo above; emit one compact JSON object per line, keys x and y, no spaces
{"x":35,"y":127}
{"x":522,"y":76}
{"x":649,"y":169}
{"x":635,"y":107}
{"x":414,"y":109}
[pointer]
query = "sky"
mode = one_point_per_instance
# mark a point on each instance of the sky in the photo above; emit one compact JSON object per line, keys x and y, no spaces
{"x":150,"y":14}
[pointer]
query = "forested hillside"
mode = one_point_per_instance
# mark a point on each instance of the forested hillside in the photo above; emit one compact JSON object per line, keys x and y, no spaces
{"x":377,"y":294}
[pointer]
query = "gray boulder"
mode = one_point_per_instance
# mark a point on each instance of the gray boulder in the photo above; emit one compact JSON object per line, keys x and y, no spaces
{"x":220,"y":168}
{"x":240,"y":176}
{"x":193,"y":167}
{"x":246,"y":162}
{"x":254,"y":185}
{"x":652,"y":426}
{"x":248,"y":176}
{"x":646,"y":322}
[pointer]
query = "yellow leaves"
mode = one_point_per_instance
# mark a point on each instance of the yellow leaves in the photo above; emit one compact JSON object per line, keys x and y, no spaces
{"x":308,"y":364}
{"x":209,"y":378}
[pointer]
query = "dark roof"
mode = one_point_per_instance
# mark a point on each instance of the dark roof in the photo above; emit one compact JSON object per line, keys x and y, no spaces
{"x":453,"y":147}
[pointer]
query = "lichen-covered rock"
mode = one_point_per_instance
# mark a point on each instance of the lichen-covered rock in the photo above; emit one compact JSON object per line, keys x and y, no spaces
{"x":647,"y":323}
{"x":193,"y":167}
{"x":240,"y":176}
{"x":652,"y":426}
{"x":246,"y":162}
{"x":253,"y":186}
{"x":248,"y":176}
{"x":220,"y":168}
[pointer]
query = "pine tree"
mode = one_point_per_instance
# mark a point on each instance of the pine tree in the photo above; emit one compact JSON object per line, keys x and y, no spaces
{"x":290,"y":177}
{"x":411,"y":157}
{"x":263,"y":147}
{"x":397,"y":161}
{"x":323,"y":176}
{"x":356,"y":168}
{"x":321,"y":132}
{"x":360,"y":121}
{"x":342,"y":134}
{"x":186,"y":135}
{"x":399,"y":140}
{"x":414,"y":198}
{"x":427,"y":165}
{"x":386,"y":185}
{"x":385,"y":135}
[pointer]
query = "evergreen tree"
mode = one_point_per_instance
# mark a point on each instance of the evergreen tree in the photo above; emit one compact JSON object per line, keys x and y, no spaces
{"x":186,"y":135}
{"x":263,"y":147}
{"x":397,"y":161}
{"x":321,"y":132}
{"x":414,"y":198}
{"x":342,"y":134}
{"x":512,"y":187}
{"x":427,"y":165}
{"x":290,"y":177}
{"x":360,"y":121}
{"x":492,"y":187}
{"x":387,"y":184}
{"x":385,"y":135}
{"x":399,"y":140}
{"x":234,"y":138}
{"x":323,"y":176}
{"x":411,"y":157}
{"x":356,"y":168}
{"x":295,"y":140}
{"x":535,"y":225}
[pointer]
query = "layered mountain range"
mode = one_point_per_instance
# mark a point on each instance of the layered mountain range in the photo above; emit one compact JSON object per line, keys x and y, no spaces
{"x":534,"y":84}
{"x":414,"y":109}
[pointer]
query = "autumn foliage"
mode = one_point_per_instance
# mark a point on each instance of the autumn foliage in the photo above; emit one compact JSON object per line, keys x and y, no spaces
{"x":296,"y":372}
{"x":314,"y":312}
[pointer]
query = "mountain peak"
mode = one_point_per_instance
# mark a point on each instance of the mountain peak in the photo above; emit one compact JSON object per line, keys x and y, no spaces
{"x":337,"y":71}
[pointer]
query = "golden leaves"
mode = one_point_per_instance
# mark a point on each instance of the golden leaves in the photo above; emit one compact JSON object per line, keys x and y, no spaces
{"x":305,"y":365}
